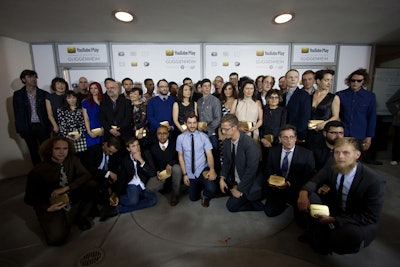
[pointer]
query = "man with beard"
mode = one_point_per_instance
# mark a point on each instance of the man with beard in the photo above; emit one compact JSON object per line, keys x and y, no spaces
{"x":115,"y":112}
{"x":197,"y":162}
{"x":354,"y":195}
{"x":159,"y":109}
{"x":323,"y":151}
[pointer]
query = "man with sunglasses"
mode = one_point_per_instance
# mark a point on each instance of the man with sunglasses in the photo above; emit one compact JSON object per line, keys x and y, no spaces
{"x":358,"y":109}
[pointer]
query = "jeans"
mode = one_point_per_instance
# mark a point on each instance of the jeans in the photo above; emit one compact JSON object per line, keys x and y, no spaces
{"x":135,"y":199}
{"x":195,"y":186}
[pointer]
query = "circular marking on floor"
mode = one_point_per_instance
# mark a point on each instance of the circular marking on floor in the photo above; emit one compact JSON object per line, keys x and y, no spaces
{"x":189,"y":223}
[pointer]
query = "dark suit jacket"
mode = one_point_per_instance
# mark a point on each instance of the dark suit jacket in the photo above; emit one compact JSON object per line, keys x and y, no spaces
{"x":160,"y":158}
{"x":300,"y":170}
{"x":246,"y":164}
{"x":121,"y":117}
{"x":364,"y":201}
{"x":298,"y":111}
{"x":22,"y":110}
{"x":128,"y":170}
{"x":93,"y":160}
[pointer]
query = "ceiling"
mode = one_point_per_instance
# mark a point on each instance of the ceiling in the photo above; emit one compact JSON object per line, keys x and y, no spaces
{"x":214,"y":21}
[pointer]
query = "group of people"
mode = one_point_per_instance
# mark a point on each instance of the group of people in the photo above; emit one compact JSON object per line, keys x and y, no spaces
{"x":264,"y":148}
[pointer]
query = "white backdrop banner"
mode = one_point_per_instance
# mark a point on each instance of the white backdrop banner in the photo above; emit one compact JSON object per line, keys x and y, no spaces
{"x":172,"y":62}
{"x":245,"y":59}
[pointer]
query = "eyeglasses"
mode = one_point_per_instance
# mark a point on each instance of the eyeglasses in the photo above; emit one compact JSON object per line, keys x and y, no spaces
{"x":336,"y":133}
{"x":354,"y":80}
{"x":224,"y":130}
{"x":286,"y":138}
{"x":274,"y":97}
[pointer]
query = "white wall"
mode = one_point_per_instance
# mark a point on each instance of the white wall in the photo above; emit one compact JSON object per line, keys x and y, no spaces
{"x":351,"y":58}
{"x":15,"y":56}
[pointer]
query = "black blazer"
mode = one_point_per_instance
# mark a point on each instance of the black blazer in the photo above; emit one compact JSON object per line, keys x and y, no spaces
{"x":127,"y":171}
{"x":94,"y":158}
{"x":22,"y":110}
{"x":364,"y":201}
{"x":246,"y":162}
{"x":300,"y":170}
{"x":298,"y":111}
{"x":160,"y":158}
{"x":121,"y":117}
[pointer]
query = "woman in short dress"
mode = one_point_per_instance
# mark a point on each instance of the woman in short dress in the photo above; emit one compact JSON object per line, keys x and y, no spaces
{"x":72,"y":123}
{"x":139,"y":117}
{"x":274,"y":117}
{"x":54,"y":101}
{"x":90,"y":109}
{"x":325,"y":106}
{"x":184,"y":104}
{"x":249,"y":109}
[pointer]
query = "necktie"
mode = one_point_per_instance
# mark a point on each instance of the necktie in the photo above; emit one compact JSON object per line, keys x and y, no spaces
{"x":193,"y":167}
{"x":164,"y":99}
{"x":340,"y":192}
{"x":105,"y":163}
{"x":163,"y":148}
{"x":233,"y":164}
{"x":285,"y":164}
{"x":64,"y":182}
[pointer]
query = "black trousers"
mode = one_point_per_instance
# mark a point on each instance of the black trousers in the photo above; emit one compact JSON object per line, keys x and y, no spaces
{"x":37,"y":135}
{"x":396,"y":144}
{"x":346,"y":238}
{"x":56,"y":225}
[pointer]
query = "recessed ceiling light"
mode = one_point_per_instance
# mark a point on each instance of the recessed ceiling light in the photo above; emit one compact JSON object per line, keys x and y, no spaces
{"x":123,"y":16}
{"x":283,"y":18}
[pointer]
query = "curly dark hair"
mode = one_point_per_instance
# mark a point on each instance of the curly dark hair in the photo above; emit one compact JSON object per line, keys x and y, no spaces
{"x":46,"y":148}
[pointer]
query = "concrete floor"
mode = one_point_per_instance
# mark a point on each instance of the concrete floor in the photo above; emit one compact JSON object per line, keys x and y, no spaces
{"x":188,"y":235}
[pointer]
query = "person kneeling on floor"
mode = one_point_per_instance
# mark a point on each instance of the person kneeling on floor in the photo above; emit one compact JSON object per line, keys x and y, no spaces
{"x":57,"y":187}
{"x":131,"y":193}
{"x":353,"y":198}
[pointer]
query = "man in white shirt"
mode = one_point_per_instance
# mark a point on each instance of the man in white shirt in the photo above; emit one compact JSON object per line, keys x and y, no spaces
{"x":130,"y":186}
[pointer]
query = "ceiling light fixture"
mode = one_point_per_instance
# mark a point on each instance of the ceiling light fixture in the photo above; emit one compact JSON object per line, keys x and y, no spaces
{"x":283,"y":18}
{"x":124,"y":16}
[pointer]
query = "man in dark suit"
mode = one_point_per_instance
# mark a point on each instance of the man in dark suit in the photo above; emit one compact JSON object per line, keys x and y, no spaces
{"x":354,"y":195}
{"x":131,"y":193}
{"x":298,"y":105}
{"x":31,"y":121}
{"x":115,"y":113}
{"x":294,"y":163}
{"x":239,"y":170}
{"x":323,"y":150}
{"x":164,"y":157}
{"x":102,"y":162}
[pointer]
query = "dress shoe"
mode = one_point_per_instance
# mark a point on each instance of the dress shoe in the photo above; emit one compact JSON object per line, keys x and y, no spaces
{"x":108,"y":212}
{"x":83,"y":224}
{"x":205,"y":202}
{"x":174,"y":200}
